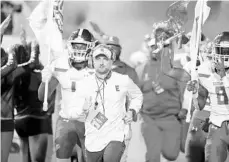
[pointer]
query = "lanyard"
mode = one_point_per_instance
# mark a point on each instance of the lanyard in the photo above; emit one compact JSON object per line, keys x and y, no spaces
{"x":100,"y":92}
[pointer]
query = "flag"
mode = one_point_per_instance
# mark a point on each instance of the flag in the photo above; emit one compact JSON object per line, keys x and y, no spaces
{"x":46,"y":21}
{"x":201,"y":14}
{"x":205,"y":11}
{"x":218,"y":19}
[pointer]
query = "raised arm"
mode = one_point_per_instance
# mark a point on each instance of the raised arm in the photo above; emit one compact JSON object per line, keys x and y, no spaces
{"x":21,"y":52}
{"x":10,"y":65}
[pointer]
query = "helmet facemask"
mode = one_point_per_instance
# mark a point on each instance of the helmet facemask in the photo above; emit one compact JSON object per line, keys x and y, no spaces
{"x":79,"y":46}
{"x":79,"y":50}
{"x":221,"y":53}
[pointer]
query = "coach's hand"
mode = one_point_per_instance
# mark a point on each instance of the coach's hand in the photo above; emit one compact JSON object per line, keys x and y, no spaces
{"x":129,"y":117}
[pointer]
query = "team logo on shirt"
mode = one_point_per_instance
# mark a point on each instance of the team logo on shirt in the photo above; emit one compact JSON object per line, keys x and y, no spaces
{"x":117,"y":88}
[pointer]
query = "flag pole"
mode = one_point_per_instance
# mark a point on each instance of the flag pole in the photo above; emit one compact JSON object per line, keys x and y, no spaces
{"x":194,"y":52}
{"x":45,"y":103}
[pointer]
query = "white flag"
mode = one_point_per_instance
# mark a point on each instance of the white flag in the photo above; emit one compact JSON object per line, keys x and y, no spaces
{"x":46,"y":21}
{"x":206,"y":10}
{"x":201,"y":14}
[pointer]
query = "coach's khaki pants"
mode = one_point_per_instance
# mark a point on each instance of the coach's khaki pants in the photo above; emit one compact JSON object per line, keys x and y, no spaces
{"x":162,"y":136}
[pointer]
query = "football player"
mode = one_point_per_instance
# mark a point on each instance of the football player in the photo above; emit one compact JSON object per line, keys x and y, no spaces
{"x":217,"y":84}
{"x":198,"y":127}
{"x":67,"y":71}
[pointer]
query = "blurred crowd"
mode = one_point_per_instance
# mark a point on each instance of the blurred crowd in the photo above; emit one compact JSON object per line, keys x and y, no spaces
{"x":97,"y":96}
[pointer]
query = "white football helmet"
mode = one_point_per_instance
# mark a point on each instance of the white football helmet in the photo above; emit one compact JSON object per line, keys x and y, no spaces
{"x":221,"y":48}
{"x":79,"y":45}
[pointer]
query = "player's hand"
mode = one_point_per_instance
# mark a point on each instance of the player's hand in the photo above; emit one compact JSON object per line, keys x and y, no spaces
{"x":192,"y":86}
{"x":46,"y":74}
{"x":182,"y":114}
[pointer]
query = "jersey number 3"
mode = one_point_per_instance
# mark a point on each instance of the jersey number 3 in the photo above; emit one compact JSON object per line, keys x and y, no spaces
{"x":222,"y":97}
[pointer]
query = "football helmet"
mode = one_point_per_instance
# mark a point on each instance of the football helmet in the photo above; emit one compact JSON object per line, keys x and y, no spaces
{"x":114,"y":44}
{"x":221,"y":48}
{"x":79,"y":45}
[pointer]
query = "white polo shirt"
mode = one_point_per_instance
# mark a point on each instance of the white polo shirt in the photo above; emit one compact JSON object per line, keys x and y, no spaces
{"x":111,"y":103}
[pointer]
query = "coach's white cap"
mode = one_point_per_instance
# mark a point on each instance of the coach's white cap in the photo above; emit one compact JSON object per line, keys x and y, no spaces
{"x":102,"y":50}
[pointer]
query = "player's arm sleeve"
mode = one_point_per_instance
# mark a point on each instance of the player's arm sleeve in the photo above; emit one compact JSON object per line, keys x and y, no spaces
{"x":10,"y":66}
{"x":135,"y":96}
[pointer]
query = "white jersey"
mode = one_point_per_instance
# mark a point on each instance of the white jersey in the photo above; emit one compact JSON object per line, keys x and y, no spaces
{"x":110,"y":98}
{"x":218,"y":89}
{"x":68,"y":78}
